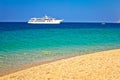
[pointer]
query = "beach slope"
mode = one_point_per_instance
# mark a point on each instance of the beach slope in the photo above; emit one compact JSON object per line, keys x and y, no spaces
{"x":103,"y":65}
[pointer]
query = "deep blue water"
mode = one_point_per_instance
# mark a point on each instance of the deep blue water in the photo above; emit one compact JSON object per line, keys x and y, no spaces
{"x":10,"y":26}
{"x":22,"y":43}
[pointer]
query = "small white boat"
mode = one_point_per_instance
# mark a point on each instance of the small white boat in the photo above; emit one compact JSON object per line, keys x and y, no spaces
{"x":103,"y":23}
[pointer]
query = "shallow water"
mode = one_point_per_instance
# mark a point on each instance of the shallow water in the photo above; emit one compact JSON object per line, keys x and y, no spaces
{"x":21,"y":43}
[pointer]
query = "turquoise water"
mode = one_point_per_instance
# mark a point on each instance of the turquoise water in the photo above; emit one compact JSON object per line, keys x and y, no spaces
{"x":31,"y":45}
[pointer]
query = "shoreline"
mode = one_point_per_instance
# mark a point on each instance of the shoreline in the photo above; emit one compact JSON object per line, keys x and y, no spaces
{"x":43,"y":66}
{"x":29,"y":65}
{"x":17,"y":68}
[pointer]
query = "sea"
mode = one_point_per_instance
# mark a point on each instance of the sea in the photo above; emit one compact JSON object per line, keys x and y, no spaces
{"x":22,"y":43}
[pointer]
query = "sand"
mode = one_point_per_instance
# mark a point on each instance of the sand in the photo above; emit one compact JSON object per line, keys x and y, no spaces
{"x":103,"y":65}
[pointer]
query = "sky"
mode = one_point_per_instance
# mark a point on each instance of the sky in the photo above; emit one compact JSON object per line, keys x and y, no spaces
{"x":69,"y":10}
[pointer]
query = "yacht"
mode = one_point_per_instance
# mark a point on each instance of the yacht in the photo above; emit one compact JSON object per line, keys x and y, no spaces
{"x":44,"y":20}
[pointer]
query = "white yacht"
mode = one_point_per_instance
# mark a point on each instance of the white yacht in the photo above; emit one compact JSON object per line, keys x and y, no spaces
{"x":44,"y":20}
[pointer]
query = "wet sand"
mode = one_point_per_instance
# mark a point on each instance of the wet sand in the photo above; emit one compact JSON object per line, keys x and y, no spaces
{"x":103,"y":65}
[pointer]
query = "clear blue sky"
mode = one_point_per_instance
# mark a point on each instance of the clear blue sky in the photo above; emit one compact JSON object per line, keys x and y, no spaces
{"x":69,"y":10}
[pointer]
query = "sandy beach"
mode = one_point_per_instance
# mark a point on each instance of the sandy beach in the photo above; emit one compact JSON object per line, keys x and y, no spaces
{"x":103,"y":65}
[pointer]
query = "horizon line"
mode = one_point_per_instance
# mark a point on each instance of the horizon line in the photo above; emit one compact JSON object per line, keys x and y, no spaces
{"x":64,"y":22}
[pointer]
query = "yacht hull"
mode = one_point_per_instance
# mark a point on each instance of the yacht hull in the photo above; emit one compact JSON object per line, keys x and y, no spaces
{"x":55,"y":22}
